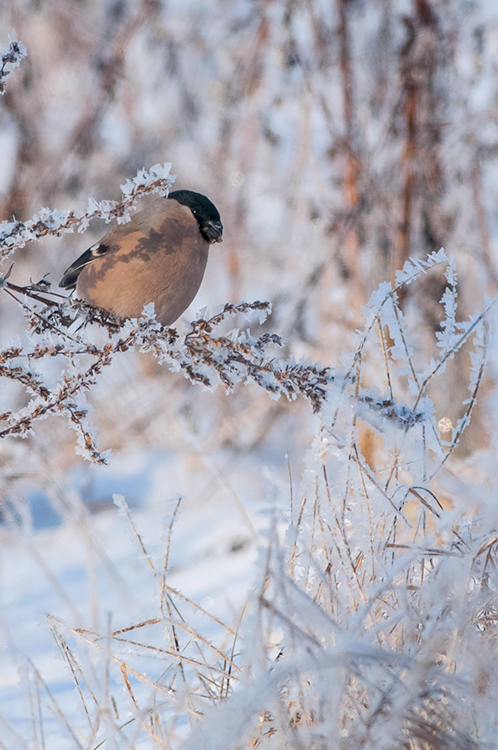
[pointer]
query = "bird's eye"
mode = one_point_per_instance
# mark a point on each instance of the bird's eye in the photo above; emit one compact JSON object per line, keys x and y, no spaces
{"x":194,"y":211}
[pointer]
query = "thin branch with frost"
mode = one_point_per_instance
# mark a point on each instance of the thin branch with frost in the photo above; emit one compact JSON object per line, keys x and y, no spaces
{"x":15,"y":234}
{"x":11,"y":55}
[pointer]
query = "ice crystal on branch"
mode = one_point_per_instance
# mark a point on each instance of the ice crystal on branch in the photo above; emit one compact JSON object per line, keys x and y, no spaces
{"x":11,"y":55}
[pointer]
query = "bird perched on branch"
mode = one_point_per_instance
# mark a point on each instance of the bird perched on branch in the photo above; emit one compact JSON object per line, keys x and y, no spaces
{"x":159,"y":256}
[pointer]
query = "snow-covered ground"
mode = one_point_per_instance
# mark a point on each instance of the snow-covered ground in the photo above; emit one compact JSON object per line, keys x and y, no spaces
{"x":92,"y":567}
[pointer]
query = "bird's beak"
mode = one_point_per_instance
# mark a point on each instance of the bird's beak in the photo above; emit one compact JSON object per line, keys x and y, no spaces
{"x":213,"y":230}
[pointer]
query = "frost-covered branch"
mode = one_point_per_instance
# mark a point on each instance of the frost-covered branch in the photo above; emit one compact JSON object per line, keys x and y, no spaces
{"x":210,"y":359}
{"x":202,"y":356}
{"x":15,"y":234}
{"x":11,"y":55}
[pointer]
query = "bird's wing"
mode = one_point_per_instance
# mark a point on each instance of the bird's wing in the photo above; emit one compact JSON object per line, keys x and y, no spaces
{"x":71,"y":274}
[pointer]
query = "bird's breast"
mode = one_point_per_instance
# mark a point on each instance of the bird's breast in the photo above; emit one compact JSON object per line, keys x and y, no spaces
{"x":152,"y":267}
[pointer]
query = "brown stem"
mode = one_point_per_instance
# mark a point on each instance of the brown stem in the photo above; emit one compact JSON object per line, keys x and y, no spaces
{"x":351,"y":243}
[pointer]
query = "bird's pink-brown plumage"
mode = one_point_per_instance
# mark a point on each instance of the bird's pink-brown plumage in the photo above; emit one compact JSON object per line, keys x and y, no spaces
{"x":159,"y":257}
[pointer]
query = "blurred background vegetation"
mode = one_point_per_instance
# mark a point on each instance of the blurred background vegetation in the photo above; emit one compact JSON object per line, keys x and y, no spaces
{"x":336,"y":138}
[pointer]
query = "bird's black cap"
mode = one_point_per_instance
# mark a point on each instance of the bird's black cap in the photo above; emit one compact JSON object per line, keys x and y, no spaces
{"x":206,"y":213}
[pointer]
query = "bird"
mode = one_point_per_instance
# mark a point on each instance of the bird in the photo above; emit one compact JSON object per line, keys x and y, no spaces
{"x":159,"y":256}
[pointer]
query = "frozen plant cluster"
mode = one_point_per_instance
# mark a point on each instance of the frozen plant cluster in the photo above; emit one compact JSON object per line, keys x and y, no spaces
{"x":374,"y":624}
{"x":61,"y":331}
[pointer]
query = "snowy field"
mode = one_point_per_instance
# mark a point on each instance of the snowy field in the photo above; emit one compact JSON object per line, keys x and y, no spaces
{"x":93,"y":568}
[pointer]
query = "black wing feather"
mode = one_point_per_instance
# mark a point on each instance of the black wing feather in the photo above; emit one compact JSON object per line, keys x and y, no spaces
{"x":71,"y":274}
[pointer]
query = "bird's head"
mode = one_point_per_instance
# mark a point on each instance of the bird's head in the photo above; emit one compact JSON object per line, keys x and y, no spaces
{"x":205,"y":212}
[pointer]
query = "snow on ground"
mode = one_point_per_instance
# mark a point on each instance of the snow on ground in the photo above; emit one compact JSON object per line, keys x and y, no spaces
{"x":91,"y":567}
